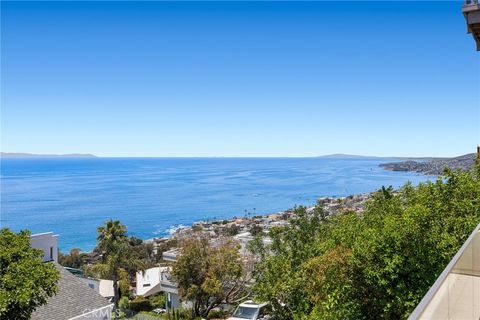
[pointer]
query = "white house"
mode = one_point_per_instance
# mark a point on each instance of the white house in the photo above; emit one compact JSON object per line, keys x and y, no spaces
{"x":148,"y":281}
{"x":101,"y":286}
{"x":48,"y":243}
{"x":158,"y":279}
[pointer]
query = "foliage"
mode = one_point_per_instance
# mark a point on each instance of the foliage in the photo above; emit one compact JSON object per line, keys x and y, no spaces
{"x":140,"y":304}
{"x":231,"y":230}
{"x":118,"y":257}
{"x":26,"y":282}
{"x":256,"y":230}
{"x":74,"y":259}
{"x":158,"y":301}
{"x":217,"y":314}
{"x":370,"y":266}
{"x":209,"y":275}
{"x":179,"y":314}
{"x":124,"y":303}
{"x":109,"y":235}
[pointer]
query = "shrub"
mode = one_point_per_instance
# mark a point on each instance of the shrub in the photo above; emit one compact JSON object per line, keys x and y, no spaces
{"x":123,"y":303}
{"x":231,"y":230}
{"x":216,"y":314}
{"x":256,"y":230}
{"x":140,"y":304}
{"x":157,"y":301}
{"x":178,"y":314}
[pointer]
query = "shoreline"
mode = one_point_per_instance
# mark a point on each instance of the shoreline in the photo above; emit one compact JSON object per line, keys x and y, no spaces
{"x":242,"y":226}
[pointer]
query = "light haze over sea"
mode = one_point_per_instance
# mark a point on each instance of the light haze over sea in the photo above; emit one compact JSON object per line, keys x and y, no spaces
{"x":72,"y":197}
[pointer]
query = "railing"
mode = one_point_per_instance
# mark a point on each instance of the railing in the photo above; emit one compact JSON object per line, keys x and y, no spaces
{"x":454,"y":293}
{"x":167,"y":283}
{"x":170,"y":255}
{"x":471,"y":2}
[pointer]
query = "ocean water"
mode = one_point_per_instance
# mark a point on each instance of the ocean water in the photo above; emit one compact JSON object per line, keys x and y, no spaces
{"x":152,"y":196}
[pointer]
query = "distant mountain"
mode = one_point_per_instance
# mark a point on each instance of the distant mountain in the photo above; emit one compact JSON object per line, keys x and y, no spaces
{"x":32,"y":155}
{"x":432,"y":166}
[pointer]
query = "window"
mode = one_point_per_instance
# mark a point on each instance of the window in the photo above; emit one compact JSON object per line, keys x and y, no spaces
{"x":51,"y":253}
{"x":245,"y":312}
{"x":146,"y":285}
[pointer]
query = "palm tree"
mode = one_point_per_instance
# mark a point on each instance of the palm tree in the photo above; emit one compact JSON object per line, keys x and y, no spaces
{"x":117,"y":254}
{"x":119,"y":258}
{"x":109,"y":234}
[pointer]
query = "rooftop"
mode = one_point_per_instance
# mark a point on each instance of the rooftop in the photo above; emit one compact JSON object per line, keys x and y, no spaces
{"x":74,"y":298}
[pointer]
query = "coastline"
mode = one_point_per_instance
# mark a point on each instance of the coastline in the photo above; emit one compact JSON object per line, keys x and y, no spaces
{"x":151,"y":196}
{"x":241,"y":227}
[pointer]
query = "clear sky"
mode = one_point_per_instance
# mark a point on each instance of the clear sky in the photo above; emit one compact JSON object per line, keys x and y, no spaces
{"x":238,"y":78}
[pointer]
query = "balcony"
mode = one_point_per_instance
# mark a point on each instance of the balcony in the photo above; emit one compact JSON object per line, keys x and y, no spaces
{"x":471,"y":12}
{"x":170,"y":255}
{"x":166,"y":283}
{"x":456,"y":293}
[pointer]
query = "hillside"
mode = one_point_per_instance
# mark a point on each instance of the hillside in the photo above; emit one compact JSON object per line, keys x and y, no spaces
{"x":435,"y":166}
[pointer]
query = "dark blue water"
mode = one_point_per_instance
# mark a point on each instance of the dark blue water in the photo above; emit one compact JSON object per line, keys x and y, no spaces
{"x":72,"y":197}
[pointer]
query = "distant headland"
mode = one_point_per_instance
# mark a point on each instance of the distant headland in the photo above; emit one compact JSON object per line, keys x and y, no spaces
{"x":33,"y":155}
{"x":433,"y":166}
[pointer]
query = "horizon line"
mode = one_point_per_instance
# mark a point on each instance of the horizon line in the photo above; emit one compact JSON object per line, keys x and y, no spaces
{"x":92,"y":156}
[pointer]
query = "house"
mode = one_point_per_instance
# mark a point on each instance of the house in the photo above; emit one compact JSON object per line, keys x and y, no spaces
{"x":48,"y":243}
{"x":167,"y":284}
{"x":101,"y":286}
{"x":74,"y":298}
{"x":158,"y":279}
{"x":148,"y":281}
{"x":471,"y":12}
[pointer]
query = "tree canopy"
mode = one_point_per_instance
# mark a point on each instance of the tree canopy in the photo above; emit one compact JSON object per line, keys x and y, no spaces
{"x":26,"y":282}
{"x":209,"y":275}
{"x":118,"y":256}
{"x":378,"y":264}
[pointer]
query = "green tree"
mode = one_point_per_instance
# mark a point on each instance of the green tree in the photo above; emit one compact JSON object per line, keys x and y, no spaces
{"x":75,"y":259}
{"x":25,"y":281}
{"x":117,"y":257}
{"x":209,"y":275}
{"x":109,"y":235}
{"x":373,"y":265}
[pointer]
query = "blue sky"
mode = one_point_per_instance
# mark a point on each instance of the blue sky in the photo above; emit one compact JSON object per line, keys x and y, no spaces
{"x":238,"y":78}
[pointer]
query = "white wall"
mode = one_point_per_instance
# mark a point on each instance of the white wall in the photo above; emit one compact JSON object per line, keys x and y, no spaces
{"x":101,"y":286}
{"x":147,"y":280}
{"x":48,"y":242}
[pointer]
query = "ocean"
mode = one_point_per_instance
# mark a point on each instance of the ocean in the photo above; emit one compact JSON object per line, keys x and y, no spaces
{"x":153,"y":196}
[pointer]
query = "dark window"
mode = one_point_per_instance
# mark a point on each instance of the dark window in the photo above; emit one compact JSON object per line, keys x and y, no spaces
{"x":146,"y":285}
{"x":51,"y":253}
